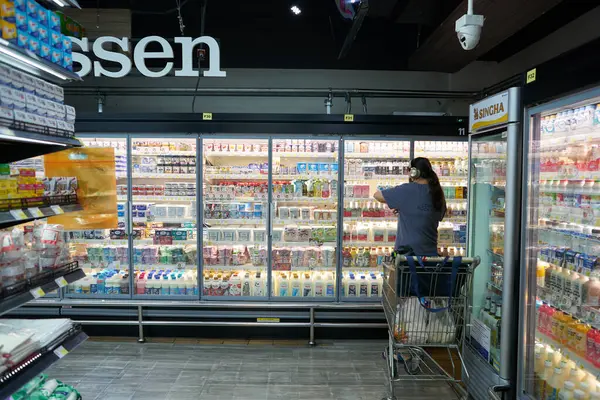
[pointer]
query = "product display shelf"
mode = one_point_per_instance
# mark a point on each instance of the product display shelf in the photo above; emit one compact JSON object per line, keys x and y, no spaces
{"x":209,"y":176}
{"x":181,"y":265}
{"x":304,"y":176}
{"x":39,"y":361}
{"x":258,"y":154}
{"x":300,"y":244}
{"x":20,"y":216}
{"x":234,"y":201}
{"x":162,"y":153}
{"x":233,"y":243}
{"x":495,"y":288}
{"x":311,"y":200}
{"x":579,"y":360}
{"x":29,"y":62}
{"x":384,"y":178}
{"x":309,"y":222}
{"x":25,"y":144}
{"x":143,"y":175}
{"x":208,"y":268}
{"x":395,"y":156}
{"x":578,"y":312}
{"x":287,"y":154}
{"x":16,"y":295}
{"x":216,"y":222}
{"x":159,"y":198}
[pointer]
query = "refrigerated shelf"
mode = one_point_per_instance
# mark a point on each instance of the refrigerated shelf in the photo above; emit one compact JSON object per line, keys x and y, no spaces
{"x":21,"y":216}
{"x":581,"y":362}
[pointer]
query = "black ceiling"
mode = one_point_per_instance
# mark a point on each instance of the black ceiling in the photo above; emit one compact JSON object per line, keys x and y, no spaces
{"x":265,"y":34}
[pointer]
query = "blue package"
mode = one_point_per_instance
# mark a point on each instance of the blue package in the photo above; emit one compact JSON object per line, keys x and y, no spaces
{"x":324,"y":168}
{"x":32,"y":27}
{"x":32,"y":9}
{"x":313,"y":168}
{"x":334,"y":168}
{"x":53,"y":21}
{"x":301,"y":166}
{"x":67,"y":45}
{"x":20,"y":5}
{"x":42,"y":15}
{"x":22,"y":40}
{"x":56,"y":40}
{"x":67,"y":61}
{"x":56,"y":56}
{"x":43,"y":34}
{"x":21,"y":21}
{"x":34,"y":45}
{"x":45,"y":50}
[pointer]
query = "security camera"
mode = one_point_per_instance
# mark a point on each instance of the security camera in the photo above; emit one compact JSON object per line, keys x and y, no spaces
{"x":468,"y":28}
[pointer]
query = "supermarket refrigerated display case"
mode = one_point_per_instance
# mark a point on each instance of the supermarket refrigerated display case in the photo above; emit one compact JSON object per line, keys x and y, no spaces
{"x":559,"y":278}
{"x":494,"y":208}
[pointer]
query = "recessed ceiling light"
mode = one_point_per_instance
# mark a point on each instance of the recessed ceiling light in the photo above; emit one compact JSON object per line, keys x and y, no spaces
{"x":296,"y":10}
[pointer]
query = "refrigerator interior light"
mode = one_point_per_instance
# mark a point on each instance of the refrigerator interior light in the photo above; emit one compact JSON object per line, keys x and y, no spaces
{"x":29,"y":140}
{"x":30,"y":63}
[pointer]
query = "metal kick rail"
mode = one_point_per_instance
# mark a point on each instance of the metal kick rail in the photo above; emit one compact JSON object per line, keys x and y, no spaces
{"x":141,"y":322}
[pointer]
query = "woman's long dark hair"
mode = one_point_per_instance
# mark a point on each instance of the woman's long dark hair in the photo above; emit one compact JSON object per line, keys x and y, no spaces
{"x":437,"y":193}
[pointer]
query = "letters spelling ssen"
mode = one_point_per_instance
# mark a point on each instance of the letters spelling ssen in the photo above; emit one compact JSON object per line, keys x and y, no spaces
{"x":140,"y":54}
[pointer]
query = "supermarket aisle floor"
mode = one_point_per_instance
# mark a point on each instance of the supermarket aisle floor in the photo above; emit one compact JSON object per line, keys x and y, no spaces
{"x":248,"y":371}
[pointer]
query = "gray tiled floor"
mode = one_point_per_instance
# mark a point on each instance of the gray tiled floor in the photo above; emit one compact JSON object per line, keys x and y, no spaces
{"x":120,"y":371}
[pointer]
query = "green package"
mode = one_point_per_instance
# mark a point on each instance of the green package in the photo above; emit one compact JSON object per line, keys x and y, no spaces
{"x":30,"y":387}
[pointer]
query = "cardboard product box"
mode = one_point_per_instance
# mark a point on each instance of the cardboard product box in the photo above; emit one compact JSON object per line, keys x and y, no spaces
{"x":53,"y":21}
{"x":7,"y":97}
{"x":16,"y":79}
{"x":7,"y":10}
{"x":28,"y":84}
{"x":21,"y":21}
{"x":9,"y":31}
{"x":32,"y":9}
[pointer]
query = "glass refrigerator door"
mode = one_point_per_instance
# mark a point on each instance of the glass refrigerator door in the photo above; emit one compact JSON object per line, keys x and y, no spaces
{"x":235,"y":199}
{"x":369,"y":227}
{"x":486,"y":221}
{"x":163,"y":217}
{"x":562,"y":250}
{"x":449,"y":161}
{"x":305,"y":219}
{"x":104,"y":253}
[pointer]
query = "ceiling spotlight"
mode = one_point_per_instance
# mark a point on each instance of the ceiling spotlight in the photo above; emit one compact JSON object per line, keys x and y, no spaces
{"x":296,"y":10}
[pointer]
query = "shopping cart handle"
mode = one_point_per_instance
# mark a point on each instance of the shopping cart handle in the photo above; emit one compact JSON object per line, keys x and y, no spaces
{"x":474,"y":261}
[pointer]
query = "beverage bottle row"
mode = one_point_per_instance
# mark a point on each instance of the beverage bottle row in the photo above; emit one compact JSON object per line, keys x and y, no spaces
{"x":459,"y":167}
{"x":455,"y":191}
{"x":367,"y":284}
{"x":491,"y":316}
{"x":558,"y":377}
{"x":373,"y":147}
{"x":358,"y":167}
{"x":235,"y":283}
{"x":569,"y":288}
{"x":371,"y":232}
{"x":367,"y":257}
{"x":441,"y":147}
{"x":571,"y":120}
{"x":304,"y":284}
{"x":358,"y":209}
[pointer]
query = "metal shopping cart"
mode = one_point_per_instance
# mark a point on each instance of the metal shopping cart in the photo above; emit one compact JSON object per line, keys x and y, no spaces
{"x":425,"y":304}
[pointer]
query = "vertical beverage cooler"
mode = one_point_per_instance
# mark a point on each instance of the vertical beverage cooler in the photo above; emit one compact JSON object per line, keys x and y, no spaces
{"x":560,"y":286}
{"x":494,"y":213}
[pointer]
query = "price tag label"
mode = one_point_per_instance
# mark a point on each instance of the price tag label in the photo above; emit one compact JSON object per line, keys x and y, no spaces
{"x":531,"y":75}
{"x":348,"y":117}
{"x":207,"y":116}
{"x":272,"y":320}
{"x":61,"y":282}
{"x":37,"y":293}
{"x":57,"y":210}
{"x":18,"y":214}
{"x":36,"y":212}
{"x":61,"y":352}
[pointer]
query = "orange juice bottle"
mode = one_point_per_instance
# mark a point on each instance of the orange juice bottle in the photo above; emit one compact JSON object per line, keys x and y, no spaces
{"x":563,"y":324}
{"x":581,"y":339}
{"x":557,"y":317}
{"x":571,"y":334}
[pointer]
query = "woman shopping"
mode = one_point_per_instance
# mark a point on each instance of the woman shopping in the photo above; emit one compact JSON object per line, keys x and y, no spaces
{"x":420,"y":205}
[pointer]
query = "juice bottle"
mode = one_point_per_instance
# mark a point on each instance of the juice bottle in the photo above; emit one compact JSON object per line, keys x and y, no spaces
{"x":580,"y":342}
{"x":538,"y":371}
{"x":593,"y":292}
{"x":567,"y":392}
{"x":346,"y":258}
{"x":540,"y":394}
{"x":576,"y":375}
{"x":555,"y":330}
{"x":563,"y":324}
{"x":569,"y":334}
{"x":579,"y":287}
{"x":590,"y":353}
{"x":554,"y":384}
{"x":541,"y":275}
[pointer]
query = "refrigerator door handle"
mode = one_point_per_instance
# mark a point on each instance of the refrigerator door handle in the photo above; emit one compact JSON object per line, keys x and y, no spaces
{"x":128,"y":221}
{"x":271,"y":216}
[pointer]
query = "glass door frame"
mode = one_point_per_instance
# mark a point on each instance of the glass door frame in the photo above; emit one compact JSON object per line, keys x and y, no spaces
{"x":528,"y":290}
{"x":341,"y":202}
{"x":200,"y":212}
{"x":124,"y":136}
{"x":129,"y":204}
{"x":340,"y":206}
{"x":514,"y":163}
